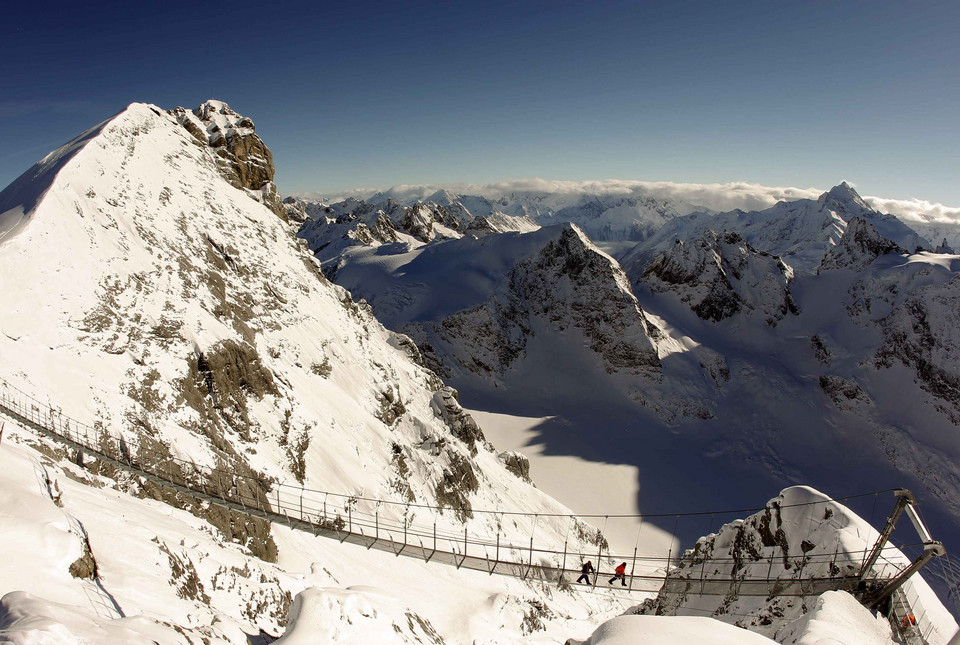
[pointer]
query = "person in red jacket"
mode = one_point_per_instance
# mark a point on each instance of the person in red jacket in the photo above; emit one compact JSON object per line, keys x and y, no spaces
{"x":621,"y":573}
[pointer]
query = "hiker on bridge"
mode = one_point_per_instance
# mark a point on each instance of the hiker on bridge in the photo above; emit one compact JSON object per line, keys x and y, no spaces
{"x":585,"y":572}
{"x":621,"y":574}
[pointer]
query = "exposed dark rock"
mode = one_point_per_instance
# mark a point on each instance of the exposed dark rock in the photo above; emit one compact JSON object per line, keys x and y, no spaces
{"x":845,"y":393}
{"x":860,"y":245}
{"x":457,"y":483}
{"x":245,"y":161}
{"x":516,"y":463}
{"x":720,"y":275}
{"x":446,"y":405}
{"x":391,"y":405}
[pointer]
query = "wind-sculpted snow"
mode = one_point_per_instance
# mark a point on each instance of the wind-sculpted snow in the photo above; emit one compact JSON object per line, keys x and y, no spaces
{"x":720,"y":276}
{"x":20,"y":199}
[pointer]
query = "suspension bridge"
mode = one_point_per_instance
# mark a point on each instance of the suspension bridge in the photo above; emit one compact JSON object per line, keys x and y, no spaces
{"x":392,"y":527}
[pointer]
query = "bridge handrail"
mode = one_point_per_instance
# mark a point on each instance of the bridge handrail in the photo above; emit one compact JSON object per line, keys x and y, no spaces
{"x":374,"y":530}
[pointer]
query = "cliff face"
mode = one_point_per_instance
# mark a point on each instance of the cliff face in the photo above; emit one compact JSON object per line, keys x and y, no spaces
{"x":244,"y":159}
{"x":719,"y":275}
{"x":860,"y":245}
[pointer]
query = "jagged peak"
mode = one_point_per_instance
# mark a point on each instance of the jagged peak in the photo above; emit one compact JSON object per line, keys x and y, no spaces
{"x":845,"y":194}
{"x":219,"y":114}
{"x":442,"y":197}
{"x":860,"y":245}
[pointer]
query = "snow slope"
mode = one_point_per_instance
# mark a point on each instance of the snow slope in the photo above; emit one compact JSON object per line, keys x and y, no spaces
{"x":164,"y":575}
{"x":152,"y":293}
{"x":854,"y":388}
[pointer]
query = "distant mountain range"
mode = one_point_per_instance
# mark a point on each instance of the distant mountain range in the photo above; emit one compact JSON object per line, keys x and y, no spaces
{"x":808,"y":342}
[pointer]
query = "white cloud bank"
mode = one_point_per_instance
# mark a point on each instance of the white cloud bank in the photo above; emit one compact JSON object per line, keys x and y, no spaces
{"x":716,"y":197}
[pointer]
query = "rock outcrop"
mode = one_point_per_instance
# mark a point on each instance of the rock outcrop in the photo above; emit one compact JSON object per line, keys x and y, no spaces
{"x":246,"y":161}
{"x":720,"y":275}
{"x":860,"y":245}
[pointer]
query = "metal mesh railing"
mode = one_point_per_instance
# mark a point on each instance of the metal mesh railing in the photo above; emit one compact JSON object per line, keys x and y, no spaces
{"x":420,"y":530}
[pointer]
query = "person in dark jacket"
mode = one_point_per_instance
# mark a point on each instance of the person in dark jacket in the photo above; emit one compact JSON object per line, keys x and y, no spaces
{"x":585,"y":572}
{"x":621,"y":573}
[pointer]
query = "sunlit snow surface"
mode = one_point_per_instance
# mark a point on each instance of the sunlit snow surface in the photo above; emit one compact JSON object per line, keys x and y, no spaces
{"x":106,"y":265}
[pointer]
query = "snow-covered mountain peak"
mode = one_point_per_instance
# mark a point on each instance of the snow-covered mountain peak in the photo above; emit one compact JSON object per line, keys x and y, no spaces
{"x":244,"y":160}
{"x":719,"y":275}
{"x":442,"y":197}
{"x":149,"y":295}
{"x":801,"y":534}
{"x":845,"y":194}
{"x":218,"y":116}
{"x":860,"y":245}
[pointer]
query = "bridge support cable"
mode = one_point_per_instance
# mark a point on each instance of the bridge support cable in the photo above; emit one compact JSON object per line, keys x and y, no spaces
{"x":318,"y":513}
{"x":878,"y":594}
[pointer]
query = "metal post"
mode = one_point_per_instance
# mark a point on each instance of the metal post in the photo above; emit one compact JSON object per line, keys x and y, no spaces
{"x":904,"y":498}
{"x":633,"y":568}
{"x":533,"y":530}
{"x":350,"y":519}
{"x":301,"y":502}
{"x":563,"y":564}
{"x":600,"y":551}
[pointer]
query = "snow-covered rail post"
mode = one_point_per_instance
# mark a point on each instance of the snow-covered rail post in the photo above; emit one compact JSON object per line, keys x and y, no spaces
{"x":600,"y":546}
{"x":566,"y":536}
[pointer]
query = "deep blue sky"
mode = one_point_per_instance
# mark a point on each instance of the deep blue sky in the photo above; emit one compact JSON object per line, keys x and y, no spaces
{"x":353,"y":94}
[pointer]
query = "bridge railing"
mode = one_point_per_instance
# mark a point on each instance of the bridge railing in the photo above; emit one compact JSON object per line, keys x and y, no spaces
{"x":419,"y":530}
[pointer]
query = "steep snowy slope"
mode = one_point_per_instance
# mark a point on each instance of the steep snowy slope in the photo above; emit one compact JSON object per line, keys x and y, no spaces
{"x":161,"y":575}
{"x":853,"y":389}
{"x":150,"y":292}
{"x":799,"y":232}
{"x":534,"y":316}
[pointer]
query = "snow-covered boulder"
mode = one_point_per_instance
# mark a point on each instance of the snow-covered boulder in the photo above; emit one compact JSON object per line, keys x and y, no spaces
{"x":837,"y":617}
{"x":358,"y":616}
{"x":672,"y":630}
